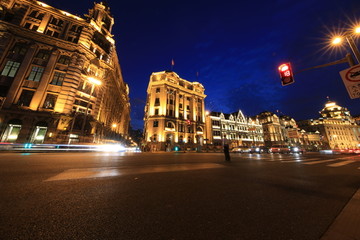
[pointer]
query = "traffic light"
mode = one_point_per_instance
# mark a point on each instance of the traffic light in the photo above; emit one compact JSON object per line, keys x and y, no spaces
{"x":286,"y":74}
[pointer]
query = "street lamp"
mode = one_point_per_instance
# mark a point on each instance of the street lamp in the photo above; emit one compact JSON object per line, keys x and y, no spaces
{"x":337,"y":40}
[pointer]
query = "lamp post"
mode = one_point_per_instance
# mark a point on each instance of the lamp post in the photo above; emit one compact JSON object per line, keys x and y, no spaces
{"x":94,"y":82}
{"x":349,"y":38}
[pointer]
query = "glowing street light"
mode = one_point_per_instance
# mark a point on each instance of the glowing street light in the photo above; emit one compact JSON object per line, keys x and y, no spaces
{"x":337,"y":40}
{"x":348,"y":36}
{"x":357,"y":30}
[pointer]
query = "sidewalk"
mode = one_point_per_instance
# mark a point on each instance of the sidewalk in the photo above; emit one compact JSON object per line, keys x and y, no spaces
{"x":347,"y":225}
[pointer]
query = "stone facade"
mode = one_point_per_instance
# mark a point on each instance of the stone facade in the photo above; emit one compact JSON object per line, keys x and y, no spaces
{"x":174,"y":113}
{"x":60,"y":78}
{"x":336,"y":126}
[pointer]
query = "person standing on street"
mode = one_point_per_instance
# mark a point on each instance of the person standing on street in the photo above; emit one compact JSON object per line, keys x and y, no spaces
{"x":227,"y":152}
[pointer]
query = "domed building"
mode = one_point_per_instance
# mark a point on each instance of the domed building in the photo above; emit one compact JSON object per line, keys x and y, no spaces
{"x":337,"y":127}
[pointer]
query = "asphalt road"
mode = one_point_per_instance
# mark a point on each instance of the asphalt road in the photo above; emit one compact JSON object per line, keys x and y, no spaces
{"x":173,"y":195}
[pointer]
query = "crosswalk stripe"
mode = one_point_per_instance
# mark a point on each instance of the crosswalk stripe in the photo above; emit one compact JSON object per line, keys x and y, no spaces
{"x":301,"y":160}
{"x":321,"y":161}
{"x":339,"y":164}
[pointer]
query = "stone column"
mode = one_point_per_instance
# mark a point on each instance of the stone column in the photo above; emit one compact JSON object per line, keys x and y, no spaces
{"x":44,"y":82}
{"x":16,"y":85}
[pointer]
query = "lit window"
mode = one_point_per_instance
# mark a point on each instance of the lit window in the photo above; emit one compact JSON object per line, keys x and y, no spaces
{"x":10,"y":69}
{"x":50,"y":101}
{"x":58,"y":78}
{"x":35,"y":74}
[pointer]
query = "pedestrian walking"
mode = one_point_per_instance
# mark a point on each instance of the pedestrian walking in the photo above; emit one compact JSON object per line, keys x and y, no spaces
{"x":227,"y":152}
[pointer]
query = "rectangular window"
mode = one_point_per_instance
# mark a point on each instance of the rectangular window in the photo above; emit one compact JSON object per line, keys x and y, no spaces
{"x":43,"y":54}
{"x":187,"y":107}
{"x":157,"y":101}
{"x":64,"y":60}
{"x":157,"y":90}
{"x":156,"y":124}
{"x":156,"y":111}
{"x":35,"y":74}
{"x":58,"y":78}
{"x":50,"y":101}
{"x":10,"y":69}
{"x":19,"y":49}
{"x":180,"y":106}
{"x":25,"y":98}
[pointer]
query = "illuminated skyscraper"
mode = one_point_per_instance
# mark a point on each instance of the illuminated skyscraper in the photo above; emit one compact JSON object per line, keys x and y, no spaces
{"x":60,"y":78}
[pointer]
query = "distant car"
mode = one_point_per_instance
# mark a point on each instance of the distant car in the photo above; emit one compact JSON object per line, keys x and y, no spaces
{"x":279,"y":149}
{"x":259,"y":149}
{"x":297,"y":150}
{"x":241,"y":149}
{"x":346,"y":151}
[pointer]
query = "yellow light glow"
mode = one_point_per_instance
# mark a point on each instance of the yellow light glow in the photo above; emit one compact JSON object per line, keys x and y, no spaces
{"x":331,"y":104}
{"x":337,"y":40}
{"x":94,"y":81}
{"x":114,"y":125}
{"x":357,"y":30}
{"x":13,"y":137}
{"x":43,"y":4}
{"x":95,"y":25}
{"x":65,"y":13}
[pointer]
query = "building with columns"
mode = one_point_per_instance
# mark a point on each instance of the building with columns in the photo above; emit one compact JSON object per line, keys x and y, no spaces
{"x":235,"y":129}
{"x":174,"y":112}
{"x":60,"y":79}
{"x":337,"y":128}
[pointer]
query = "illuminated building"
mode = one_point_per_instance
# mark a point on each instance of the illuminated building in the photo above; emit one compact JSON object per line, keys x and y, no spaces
{"x":235,"y":129}
{"x":272,"y":129}
{"x":174,"y":112}
{"x":60,"y":78}
{"x":337,"y":128}
{"x":289,"y":130}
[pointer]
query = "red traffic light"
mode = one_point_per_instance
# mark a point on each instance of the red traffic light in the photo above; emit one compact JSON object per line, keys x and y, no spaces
{"x":286,"y":74}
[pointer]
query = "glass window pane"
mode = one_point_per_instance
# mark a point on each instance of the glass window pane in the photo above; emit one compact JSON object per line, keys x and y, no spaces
{"x":25,"y":98}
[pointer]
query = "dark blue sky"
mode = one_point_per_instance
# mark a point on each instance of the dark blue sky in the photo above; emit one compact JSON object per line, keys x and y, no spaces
{"x":236,"y":46}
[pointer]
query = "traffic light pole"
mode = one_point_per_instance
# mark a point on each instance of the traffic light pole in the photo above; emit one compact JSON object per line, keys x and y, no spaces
{"x":348,"y":58}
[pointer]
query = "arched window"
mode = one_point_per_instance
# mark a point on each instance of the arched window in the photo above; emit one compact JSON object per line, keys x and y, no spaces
{"x":170,"y":125}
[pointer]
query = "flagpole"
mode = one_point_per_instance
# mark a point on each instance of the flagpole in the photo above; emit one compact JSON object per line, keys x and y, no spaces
{"x":172,"y":64}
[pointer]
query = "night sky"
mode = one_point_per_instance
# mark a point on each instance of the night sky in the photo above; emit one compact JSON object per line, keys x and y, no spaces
{"x":236,"y":46}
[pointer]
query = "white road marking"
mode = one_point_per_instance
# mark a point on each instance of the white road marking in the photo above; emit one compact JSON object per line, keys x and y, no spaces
{"x":83,"y":173}
{"x":321,"y":161}
{"x":343,"y":163}
{"x":302,"y":160}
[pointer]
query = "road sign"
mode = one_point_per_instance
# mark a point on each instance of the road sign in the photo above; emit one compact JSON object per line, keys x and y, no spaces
{"x":351,"y":79}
